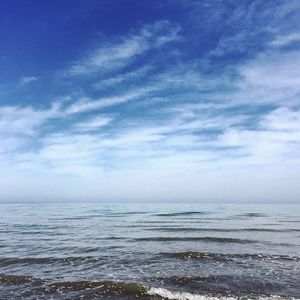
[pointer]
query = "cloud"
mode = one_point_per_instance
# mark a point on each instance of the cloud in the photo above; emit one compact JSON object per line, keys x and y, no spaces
{"x":122,"y":78}
{"x":88,"y":104}
{"x":92,"y":124}
{"x":20,"y":127}
{"x":269,"y":78}
{"x":251,"y":27}
{"x":274,"y":141}
{"x":9,"y":144}
{"x":123,"y":51}
{"x":282,"y":119}
{"x":27,"y":79}
{"x":63,"y":148}
{"x":16,"y":120}
{"x":284,"y":40}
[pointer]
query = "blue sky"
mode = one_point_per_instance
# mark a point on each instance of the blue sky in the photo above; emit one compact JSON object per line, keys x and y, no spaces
{"x":150,"y":100}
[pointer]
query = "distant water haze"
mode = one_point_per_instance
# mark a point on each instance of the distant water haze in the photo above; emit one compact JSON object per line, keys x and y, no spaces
{"x":268,"y":185}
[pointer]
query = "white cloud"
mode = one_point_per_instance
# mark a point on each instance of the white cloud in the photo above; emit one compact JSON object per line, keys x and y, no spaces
{"x":110,"y":57}
{"x":93,"y":124}
{"x":121,"y":78}
{"x":282,"y":119}
{"x":275,"y":141}
{"x":27,"y":79}
{"x":87,"y":104}
{"x":284,"y":40}
{"x":72,"y":154}
{"x":233,"y":44}
{"x":21,"y":126}
{"x":9,"y":144}
{"x":173,"y":153}
{"x":121,"y":52}
{"x":15,"y":120}
{"x":268,"y":79}
{"x":63,"y":148}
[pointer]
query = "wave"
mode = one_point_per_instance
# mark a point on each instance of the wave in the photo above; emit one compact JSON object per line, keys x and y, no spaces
{"x":272,"y":230}
{"x":288,"y":221}
{"x":105,"y":287}
{"x":47,"y":260}
{"x":191,"y":239}
{"x":10,"y":261}
{"x":197,"y":229}
{"x":184,"y":213}
{"x":87,"y":289}
{"x":227,"y":256}
{"x":179,"y":295}
{"x":252,"y":215}
{"x":14,"y":279}
{"x":112,"y":287}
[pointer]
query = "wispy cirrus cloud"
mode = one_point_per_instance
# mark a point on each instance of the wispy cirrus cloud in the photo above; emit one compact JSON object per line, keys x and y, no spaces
{"x":270,"y":78}
{"x":19,"y":126}
{"x":16,"y":120}
{"x":121,"y":52}
{"x":88,"y":104}
{"x":126,"y":77}
{"x":27,"y":79}
{"x":284,"y":40}
{"x":93,"y":124}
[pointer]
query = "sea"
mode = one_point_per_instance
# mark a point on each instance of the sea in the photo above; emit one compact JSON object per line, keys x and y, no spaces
{"x":149,"y":251}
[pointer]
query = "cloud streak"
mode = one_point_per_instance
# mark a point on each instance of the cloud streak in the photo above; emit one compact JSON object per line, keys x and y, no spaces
{"x":123,"y":51}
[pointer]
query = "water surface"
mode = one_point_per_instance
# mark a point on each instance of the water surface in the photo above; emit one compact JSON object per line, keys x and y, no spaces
{"x":157,"y":251}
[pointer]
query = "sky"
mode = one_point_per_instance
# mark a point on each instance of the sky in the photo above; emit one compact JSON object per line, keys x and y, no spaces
{"x":129,"y":100}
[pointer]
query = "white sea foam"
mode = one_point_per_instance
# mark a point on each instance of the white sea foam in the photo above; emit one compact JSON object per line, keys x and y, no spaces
{"x":175,"y":295}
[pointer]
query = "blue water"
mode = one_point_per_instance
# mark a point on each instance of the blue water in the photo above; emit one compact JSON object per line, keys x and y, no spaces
{"x":149,"y":251}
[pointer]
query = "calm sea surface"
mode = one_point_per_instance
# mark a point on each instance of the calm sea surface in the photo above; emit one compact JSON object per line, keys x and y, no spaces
{"x":139,"y":251}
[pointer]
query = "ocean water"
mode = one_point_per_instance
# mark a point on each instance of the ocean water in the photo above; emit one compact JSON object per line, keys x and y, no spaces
{"x":143,"y":251}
